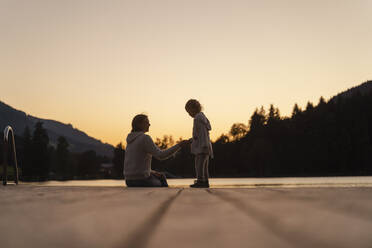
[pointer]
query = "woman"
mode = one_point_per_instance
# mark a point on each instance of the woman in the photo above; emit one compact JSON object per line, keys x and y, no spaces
{"x":138,"y":155}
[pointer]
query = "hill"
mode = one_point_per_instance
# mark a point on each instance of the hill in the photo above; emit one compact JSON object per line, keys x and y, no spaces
{"x":78,"y":140}
{"x":362,"y":89}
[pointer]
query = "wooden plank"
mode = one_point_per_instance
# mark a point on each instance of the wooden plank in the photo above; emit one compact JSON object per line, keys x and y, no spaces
{"x":32,"y":216}
{"x":303,"y":221}
{"x":200,"y":219}
{"x":77,"y":217}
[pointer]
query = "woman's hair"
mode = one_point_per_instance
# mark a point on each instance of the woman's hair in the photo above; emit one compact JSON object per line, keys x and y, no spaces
{"x":194,"y":105}
{"x":136,"y":122}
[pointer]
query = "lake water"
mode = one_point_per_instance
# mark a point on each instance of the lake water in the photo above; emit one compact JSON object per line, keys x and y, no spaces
{"x":234,"y":182}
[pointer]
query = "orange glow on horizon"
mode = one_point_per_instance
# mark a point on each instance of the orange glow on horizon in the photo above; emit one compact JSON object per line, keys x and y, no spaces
{"x":96,"y":65}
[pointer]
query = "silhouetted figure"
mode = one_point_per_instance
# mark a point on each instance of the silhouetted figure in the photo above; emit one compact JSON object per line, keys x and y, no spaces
{"x":201,"y":145}
{"x":138,"y":156}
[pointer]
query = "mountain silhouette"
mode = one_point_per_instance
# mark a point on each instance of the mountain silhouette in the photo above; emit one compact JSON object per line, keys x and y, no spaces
{"x":362,"y":89}
{"x":78,"y":140}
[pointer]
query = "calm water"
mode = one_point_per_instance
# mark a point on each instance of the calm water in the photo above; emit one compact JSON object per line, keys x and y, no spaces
{"x":235,"y":182}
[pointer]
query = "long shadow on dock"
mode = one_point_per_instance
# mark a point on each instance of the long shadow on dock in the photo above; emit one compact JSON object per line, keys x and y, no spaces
{"x":141,"y":235}
{"x":271,"y":223}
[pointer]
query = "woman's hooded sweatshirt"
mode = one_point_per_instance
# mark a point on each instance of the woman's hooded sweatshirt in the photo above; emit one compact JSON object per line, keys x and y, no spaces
{"x":138,"y":155}
{"x":201,"y":143}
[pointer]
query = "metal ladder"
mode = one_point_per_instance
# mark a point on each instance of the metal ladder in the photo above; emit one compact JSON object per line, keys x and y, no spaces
{"x":9,"y":143}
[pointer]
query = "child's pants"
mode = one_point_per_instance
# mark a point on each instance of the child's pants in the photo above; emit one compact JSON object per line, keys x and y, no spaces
{"x":201,"y":166}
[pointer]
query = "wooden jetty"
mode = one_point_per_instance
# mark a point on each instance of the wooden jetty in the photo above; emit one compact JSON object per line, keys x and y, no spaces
{"x":34,"y":216}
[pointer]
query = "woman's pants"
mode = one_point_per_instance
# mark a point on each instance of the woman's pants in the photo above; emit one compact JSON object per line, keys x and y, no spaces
{"x":201,"y":166}
{"x":152,"y":181}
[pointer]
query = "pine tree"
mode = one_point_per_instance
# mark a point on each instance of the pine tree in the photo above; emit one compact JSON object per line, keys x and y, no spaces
{"x":40,"y":155}
{"x":296,"y":111}
{"x":273,"y":116}
{"x":26,"y":164}
{"x":63,"y":160}
{"x":322,"y":102}
{"x":309,"y":107}
{"x":88,"y":165}
{"x":258,"y":120}
{"x":118,"y":160}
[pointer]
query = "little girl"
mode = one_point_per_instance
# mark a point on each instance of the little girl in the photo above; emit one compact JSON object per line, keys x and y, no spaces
{"x":201,"y":145}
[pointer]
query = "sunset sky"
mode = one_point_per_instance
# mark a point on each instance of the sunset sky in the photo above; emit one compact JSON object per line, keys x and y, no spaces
{"x":97,"y":63}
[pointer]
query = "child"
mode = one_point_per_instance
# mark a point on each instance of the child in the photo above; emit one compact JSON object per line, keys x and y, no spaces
{"x":201,"y":145}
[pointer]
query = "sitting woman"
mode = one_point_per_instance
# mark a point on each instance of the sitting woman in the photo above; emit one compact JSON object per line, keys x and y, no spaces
{"x":138,"y":155}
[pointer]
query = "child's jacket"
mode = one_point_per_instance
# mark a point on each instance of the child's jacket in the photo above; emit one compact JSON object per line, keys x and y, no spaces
{"x":201,"y":142}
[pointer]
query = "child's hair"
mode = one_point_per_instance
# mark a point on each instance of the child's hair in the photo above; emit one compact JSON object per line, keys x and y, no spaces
{"x":194,"y":105}
{"x":136,"y":122}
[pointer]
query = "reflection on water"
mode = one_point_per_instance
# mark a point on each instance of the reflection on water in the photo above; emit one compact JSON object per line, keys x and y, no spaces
{"x":234,"y":182}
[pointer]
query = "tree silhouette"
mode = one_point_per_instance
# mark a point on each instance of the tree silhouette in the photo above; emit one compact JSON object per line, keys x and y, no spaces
{"x":238,"y":130}
{"x":165,"y":142}
{"x":27,"y":156}
{"x":333,"y":138}
{"x":322,"y":102}
{"x":223,"y":139}
{"x":64,"y":168}
{"x":118,"y":160}
{"x":258,"y":120}
{"x":88,"y":165}
{"x":296,"y":111}
{"x":273,"y":115}
{"x":41,"y":153}
{"x":309,"y":107}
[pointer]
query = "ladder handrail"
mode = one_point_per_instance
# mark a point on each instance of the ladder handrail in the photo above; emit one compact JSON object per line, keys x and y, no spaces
{"x":8,"y":131}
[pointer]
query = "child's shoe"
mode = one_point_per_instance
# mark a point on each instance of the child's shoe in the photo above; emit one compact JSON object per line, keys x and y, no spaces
{"x":200,"y":184}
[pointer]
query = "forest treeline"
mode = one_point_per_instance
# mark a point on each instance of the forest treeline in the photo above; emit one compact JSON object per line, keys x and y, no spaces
{"x":332,"y":138}
{"x":38,"y":160}
{"x":327,"y":139}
